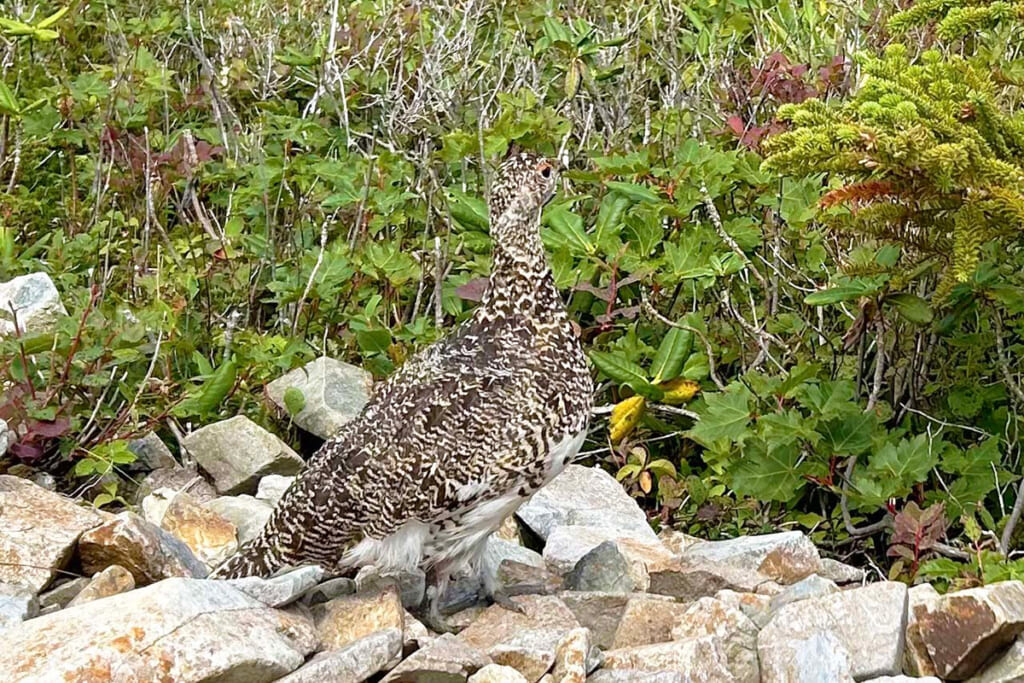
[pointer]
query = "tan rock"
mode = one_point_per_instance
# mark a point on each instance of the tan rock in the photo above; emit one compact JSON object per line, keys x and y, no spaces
{"x":38,"y":532}
{"x":697,"y":659}
{"x":348,"y":618}
{"x":676,"y":541}
{"x":447,"y":658}
{"x":147,"y":551}
{"x":839,"y":572}
{"x":496,"y":673}
{"x":646,"y":622}
{"x":498,"y":625}
{"x":414,"y":634}
{"x":734,"y":632}
{"x":784,"y":557}
{"x":111,"y":581}
{"x":357,"y":661}
{"x":530,"y":652}
{"x":916,"y":659}
{"x":961,"y":630}
{"x":756,"y":607}
{"x":211,"y":538}
{"x":572,"y":656}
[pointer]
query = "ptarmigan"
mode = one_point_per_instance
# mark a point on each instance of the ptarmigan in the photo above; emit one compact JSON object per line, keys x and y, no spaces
{"x":456,"y":439}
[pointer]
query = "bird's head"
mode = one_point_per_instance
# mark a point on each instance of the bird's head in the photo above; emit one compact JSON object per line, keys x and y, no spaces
{"x":525,"y":182}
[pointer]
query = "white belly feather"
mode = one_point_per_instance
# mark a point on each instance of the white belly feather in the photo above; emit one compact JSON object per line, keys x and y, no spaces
{"x":462,"y":545}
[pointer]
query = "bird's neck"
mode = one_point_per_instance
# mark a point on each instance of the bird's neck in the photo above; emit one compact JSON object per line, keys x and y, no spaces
{"x":520,"y":280}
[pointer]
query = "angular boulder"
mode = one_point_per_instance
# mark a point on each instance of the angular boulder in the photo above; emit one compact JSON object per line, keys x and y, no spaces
{"x":697,"y":659}
{"x":38,"y":532}
{"x":334,"y":393}
{"x":447,"y":658}
{"x":282,"y":589}
{"x":180,"y":630}
{"x":348,"y":618}
{"x":807,"y":657}
{"x":150,"y":454}
{"x":785,"y":557}
{"x":237,"y":453}
{"x":357,"y":661}
{"x":734,"y":633}
{"x":246,"y":513}
{"x":144,"y":549}
{"x":916,"y":659}
{"x":17,"y":603}
{"x":646,"y":621}
{"x":496,"y":673}
{"x":272,"y":487}
{"x":36,"y":301}
{"x":211,"y":538}
{"x":602,"y":569}
{"x":111,"y":581}
{"x":498,"y":625}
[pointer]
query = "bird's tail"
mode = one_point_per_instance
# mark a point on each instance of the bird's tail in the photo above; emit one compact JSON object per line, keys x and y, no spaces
{"x":256,"y":558}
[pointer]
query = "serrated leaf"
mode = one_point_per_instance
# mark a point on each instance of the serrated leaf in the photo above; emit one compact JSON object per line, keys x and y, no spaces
{"x":679,"y":390}
{"x":625,"y":372}
{"x":904,"y":464}
{"x":769,"y":473}
{"x":569,"y":229}
{"x":724,"y":415}
{"x":911,"y":307}
{"x":849,"y":435}
{"x":294,"y":400}
{"x":625,"y":416}
{"x":675,"y":348}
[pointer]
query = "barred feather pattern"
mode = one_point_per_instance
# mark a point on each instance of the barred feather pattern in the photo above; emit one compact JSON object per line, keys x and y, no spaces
{"x":460,"y":435}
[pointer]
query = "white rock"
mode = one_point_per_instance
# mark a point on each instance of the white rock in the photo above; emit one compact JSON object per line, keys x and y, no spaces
{"x":812,"y":587}
{"x":6,"y":437}
{"x":1007,"y":667}
{"x":281,"y":590}
{"x":810,"y":657}
{"x":496,"y":673}
{"x":272,"y":487}
{"x":17,"y":603}
{"x":734,"y":633}
{"x":697,"y":659}
{"x":334,"y":393}
{"x":904,"y":679}
{"x":237,"y":453}
{"x":839,"y":572}
{"x":585,"y":496}
{"x":248,"y":514}
{"x":869,"y":623}
{"x":636,"y":676}
{"x":179,"y":629}
{"x":785,"y":557}
{"x":355,"y":662}
{"x":36,"y":301}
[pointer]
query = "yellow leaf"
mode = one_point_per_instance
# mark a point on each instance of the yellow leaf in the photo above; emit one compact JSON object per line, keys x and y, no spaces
{"x":679,"y":390}
{"x":625,"y":416}
{"x":646,"y":484}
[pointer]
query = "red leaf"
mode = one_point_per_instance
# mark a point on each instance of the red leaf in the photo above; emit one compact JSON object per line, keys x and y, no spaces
{"x":472,"y":290}
{"x":50,"y":430}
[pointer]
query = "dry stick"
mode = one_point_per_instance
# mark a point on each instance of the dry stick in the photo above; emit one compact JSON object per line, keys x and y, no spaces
{"x":1004,"y":367}
{"x":312,"y":275}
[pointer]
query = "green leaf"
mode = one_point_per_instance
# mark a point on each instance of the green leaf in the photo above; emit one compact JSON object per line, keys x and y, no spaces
{"x":625,"y":372}
{"x":904,"y":464}
{"x":674,"y":350}
{"x":850,"y":435}
{"x":568,"y":228}
{"x":294,"y":400}
{"x":8,"y":102}
{"x":724,"y":415}
{"x":214,"y":391}
{"x":469,"y":211}
{"x":638,"y":193}
{"x":912,"y":307}
{"x":853,"y":290}
{"x":769,"y":473}
{"x":52,"y":19}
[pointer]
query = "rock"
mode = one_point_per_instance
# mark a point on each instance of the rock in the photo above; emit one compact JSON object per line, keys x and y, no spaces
{"x":146,"y":550}
{"x":355,"y":662}
{"x":60,"y":595}
{"x":334,"y":393}
{"x":328,"y":590}
{"x":961,"y":630}
{"x":811,"y":587}
{"x":498,"y":625}
{"x":272,"y":487}
{"x":348,"y":618}
{"x":676,"y":541}
{"x":414,"y":634}
{"x":463,"y":591}
{"x":585,"y":496}
{"x":573,"y":657}
{"x":448,"y":658}
{"x":810,"y":657}
{"x":509,"y":531}
{"x":567,"y":545}
{"x":869,"y":624}
{"x":410,"y":583}
{"x":755,"y":607}
{"x":600,"y":612}
{"x":150,"y":454}
{"x":697,"y":659}
{"x":499,"y":550}
{"x":36,"y":302}
{"x":111,"y":581}
{"x":496,"y":673}
{"x":7,"y":437}
{"x":178,"y":630}
{"x":17,"y":603}
{"x":916,"y":660}
{"x":1007,"y":667}
{"x":280,"y":590}
{"x":602,"y":569}
{"x":185,"y":479}
{"x":238,"y":470}
{"x":904,"y":679}
{"x":248,"y":514}
{"x":39,"y":532}
{"x":784,"y":557}
{"x":734,"y":633}
{"x":690,"y":580}
{"x":840,"y":573}
{"x":516,"y":578}
{"x":211,"y":538}
{"x":635,"y":676}
{"x":646,"y":621}
{"x":530,"y":652}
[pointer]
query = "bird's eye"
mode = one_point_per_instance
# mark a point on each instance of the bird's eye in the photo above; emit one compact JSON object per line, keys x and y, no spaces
{"x":545,"y":170}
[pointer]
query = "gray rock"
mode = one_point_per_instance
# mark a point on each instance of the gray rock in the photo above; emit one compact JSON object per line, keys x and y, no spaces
{"x":962,"y":630}
{"x":602,"y":569}
{"x":151,"y":454}
{"x":840,"y":573}
{"x":272,"y":487}
{"x":60,"y":595}
{"x":237,"y":453}
{"x":687,"y":581}
{"x":36,"y":301}
{"x":328,"y":590}
{"x":111,"y":581}
{"x":600,"y":612}
{"x":185,"y":479}
{"x":248,"y":514}
{"x":447,"y":658}
{"x":353,"y":663}
{"x":516,"y":578}
{"x":335,"y":393}
{"x":281,"y":590}
{"x":498,"y":550}
{"x":180,"y":630}
{"x":905,"y":679}
{"x":411,"y":584}
{"x":38,"y":532}
{"x":585,"y":496}
{"x":7,"y":437}
{"x":17,"y":603}
{"x":463,"y":591}
{"x":812,"y":587}
{"x":810,"y":657}
{"x":784,"y":557}
{"x":1007,"y":667}
{"x":869,"y":624}
{"x":636,"y":676}
{"x":144,"y":549}
{"x":566,"y":546}
{"x":756,"y":607}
